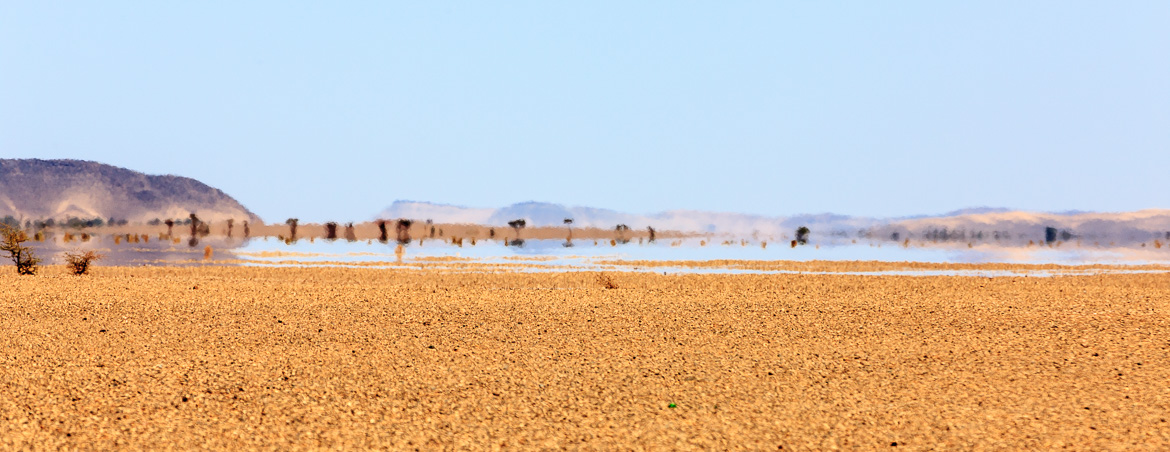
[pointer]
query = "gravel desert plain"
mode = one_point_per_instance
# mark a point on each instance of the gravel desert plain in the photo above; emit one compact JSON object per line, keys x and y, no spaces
{"x":234,"y":357}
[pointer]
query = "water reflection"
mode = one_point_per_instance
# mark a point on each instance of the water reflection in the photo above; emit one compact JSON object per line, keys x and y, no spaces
{"x":553,"y":250}
{"x":579,"y":253}
{"x":138,"y":250}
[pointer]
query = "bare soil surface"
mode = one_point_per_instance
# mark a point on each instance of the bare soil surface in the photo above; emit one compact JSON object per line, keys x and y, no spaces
{"x":350,"y":358}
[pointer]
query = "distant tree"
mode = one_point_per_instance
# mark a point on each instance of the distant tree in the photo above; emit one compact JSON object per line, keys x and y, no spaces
{"x":170,"y":227}
{"x":652,"y":233}
{"x":330,"y":231}
{"x":382,"y":234}
{"x":622,"y":233}
{"x":517,"y":225}
{"x":231,"y":222}
{"x":802,"y":235}
{"x":402,"y":231}
{"x":292,"y":228}
{"x":350,"y":234}
{"x":569,"y":240}
{"x":247,"y":230}
{"x":1049,"y":234}
{"x":194,"y":220}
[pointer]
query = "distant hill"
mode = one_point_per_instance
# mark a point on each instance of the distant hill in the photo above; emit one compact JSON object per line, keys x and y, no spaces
{"x":34,"y":189}
{"x":1120,"y":227}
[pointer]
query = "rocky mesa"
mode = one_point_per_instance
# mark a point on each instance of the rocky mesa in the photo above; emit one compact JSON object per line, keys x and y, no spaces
{"x":34,"y":189}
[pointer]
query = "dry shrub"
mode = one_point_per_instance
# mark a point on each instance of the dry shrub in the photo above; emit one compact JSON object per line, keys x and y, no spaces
{"x":79,"y":262}
{"x":606,"y":281}
{"x":22,"y":256}
{"x":207,"y":252}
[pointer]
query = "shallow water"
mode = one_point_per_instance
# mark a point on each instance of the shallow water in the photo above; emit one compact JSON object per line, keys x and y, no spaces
{"x":553,"y":251}
{"x":552,"y":255}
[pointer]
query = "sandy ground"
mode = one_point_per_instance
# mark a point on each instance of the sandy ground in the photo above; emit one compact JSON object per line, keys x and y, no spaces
{"x":288,"y":358}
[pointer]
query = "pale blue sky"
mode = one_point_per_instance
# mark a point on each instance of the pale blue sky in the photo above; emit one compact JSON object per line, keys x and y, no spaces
{"x":333,"y":110}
